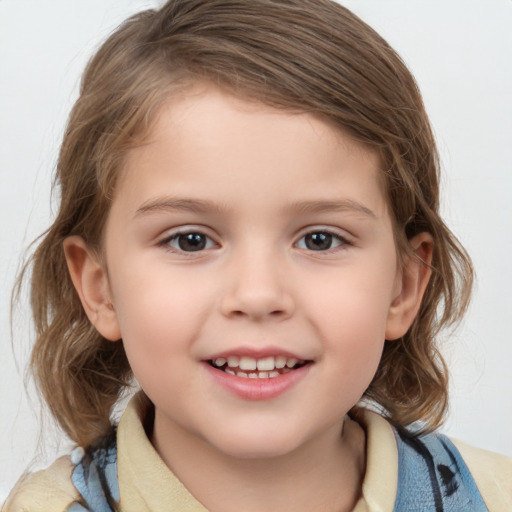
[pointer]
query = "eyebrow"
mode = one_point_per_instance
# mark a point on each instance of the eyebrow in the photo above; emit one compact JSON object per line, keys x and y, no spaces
{"x":166,"y":204}
{"x":343,"y":205}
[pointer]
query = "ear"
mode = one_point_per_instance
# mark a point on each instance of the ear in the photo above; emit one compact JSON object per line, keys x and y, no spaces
{"x":90,"y":278}
{"x":411,"y":285}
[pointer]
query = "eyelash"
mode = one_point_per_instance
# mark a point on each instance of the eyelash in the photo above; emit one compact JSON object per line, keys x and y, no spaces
{"x":166,"y":243}
{"x":342,"y":241}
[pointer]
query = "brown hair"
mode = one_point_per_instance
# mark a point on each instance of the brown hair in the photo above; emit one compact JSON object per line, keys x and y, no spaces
{"x":309,"y":55}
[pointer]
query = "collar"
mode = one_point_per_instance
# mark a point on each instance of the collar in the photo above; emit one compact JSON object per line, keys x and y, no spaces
{"x":146,"y":483}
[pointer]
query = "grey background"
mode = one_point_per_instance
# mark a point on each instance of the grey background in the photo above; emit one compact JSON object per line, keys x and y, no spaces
{"x":461,"y":54}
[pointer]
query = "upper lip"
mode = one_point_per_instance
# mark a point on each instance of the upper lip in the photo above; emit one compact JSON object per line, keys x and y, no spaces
{"x":256,"y":353}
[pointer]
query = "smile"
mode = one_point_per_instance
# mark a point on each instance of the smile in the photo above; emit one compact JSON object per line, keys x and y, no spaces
{"x":268,"y":367}
{"x":257,"y":378}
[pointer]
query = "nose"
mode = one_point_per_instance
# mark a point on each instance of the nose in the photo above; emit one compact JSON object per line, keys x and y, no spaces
{"x":256,"y":288}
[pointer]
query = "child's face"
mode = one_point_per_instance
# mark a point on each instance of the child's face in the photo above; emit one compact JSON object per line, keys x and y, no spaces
{"x":243,"y":231}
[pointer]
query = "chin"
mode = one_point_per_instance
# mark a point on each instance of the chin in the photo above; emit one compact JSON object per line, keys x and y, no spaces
{"x":257,"y":443}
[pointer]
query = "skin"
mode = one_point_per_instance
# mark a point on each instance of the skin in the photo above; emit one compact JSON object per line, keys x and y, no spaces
{"x":252,"y":182}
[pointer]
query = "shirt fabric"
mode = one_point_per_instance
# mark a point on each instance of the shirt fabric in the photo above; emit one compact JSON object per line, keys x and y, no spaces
{"x":404,"y":473}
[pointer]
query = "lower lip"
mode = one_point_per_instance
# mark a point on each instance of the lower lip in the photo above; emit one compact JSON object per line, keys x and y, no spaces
{"x":258,"y":389}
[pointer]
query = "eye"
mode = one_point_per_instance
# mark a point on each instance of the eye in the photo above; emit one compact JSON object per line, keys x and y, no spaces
{"x":192,"y":241}
{"x":320,"y":241}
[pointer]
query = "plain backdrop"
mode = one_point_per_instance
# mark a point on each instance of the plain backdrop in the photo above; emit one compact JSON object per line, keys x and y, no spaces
{"x":461,"y":54}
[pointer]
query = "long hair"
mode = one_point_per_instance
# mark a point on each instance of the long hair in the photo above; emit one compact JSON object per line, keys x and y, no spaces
{"x":312,"y":56}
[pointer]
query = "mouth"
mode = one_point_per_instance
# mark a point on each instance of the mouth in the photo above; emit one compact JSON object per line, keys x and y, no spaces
{"x":268,"y":367}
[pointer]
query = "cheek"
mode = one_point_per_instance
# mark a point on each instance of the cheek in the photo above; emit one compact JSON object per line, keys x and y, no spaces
{"x":159,"y":316}
{"x":358,"y":299}
{"x":351,"y":316}
{"x":353,"y":348}
{"x":356,"y":337}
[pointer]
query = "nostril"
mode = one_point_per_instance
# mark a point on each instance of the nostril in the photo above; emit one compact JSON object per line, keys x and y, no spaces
{"x":257,"y":300}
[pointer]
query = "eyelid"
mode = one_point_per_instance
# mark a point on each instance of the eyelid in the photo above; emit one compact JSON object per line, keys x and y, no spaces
{"x":174,"y":233}
{"x":345,"y":240}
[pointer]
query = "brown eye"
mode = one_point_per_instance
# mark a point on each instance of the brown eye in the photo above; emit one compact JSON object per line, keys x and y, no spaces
{"x":190,"y":242}
{"x":320,"y":241}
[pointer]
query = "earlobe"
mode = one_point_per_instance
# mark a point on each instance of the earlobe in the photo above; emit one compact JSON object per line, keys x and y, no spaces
{"x":413,"y":283}
{"x":90,"y":279}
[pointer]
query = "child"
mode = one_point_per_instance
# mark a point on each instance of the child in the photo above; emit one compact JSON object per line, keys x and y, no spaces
{"x":249,"y":227}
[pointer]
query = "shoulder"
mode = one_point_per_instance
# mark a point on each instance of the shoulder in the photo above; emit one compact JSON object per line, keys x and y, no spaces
{"x":453,"y":473}
{"x":404,"y":469}
{"x":492,"y":473}
{"x":84,"y":480}
{"x":49,"y":489}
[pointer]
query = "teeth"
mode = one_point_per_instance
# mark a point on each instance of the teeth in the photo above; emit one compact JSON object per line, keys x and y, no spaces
{"x":247,"y":363}
{"x":291,"y":362}
{"x":263,"y":368}
{"x":265,"y":364}
{"x":280,"y":362}
{"x":233,"y":361}
{"x":255,"y":375}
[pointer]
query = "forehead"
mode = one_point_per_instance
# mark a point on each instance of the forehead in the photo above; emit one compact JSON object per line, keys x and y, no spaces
{"x":208,"y":142}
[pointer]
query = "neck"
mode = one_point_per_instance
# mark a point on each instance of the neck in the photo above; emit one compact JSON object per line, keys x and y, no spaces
{"x":325,"y":474}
